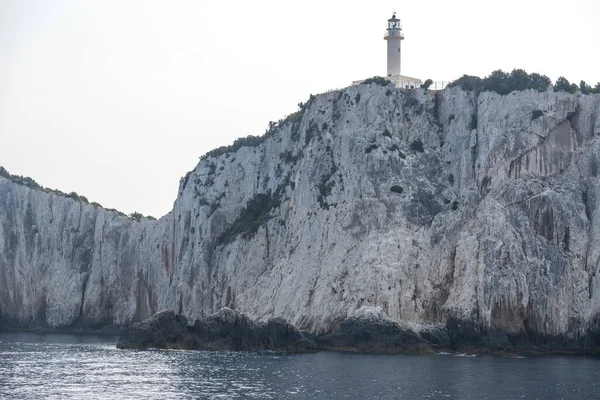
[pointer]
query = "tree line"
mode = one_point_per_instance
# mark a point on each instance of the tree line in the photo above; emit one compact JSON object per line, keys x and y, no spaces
{"x":32,"y":184}
{"x":504,"y":83}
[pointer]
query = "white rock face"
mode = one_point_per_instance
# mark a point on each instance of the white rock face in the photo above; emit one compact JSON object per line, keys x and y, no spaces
{"x":496,"y":221}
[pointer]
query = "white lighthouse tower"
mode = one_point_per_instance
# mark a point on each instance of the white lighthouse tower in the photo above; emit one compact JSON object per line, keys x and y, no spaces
{"x":394,"y":37}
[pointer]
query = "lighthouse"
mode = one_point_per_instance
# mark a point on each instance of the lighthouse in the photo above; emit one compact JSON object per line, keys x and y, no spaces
{"x":394,"y":38}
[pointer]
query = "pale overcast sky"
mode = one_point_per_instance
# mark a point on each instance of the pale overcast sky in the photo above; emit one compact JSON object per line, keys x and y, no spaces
{"x":117,"y":99}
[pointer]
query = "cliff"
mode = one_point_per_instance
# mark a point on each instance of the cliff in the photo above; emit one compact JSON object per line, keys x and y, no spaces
{"x":479,"y":212}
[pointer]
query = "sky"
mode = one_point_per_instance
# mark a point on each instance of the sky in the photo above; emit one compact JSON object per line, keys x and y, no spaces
{"x":117,"y":99}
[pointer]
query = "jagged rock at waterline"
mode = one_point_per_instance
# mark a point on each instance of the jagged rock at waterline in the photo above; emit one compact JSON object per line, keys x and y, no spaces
{"x":369,"y":330}
{"x":225,"y":330}
{"x":478,"y":213}
{"x":163,"y":330}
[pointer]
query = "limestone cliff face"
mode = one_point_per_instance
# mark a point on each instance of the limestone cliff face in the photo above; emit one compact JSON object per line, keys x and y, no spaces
{"x":439,"y":208}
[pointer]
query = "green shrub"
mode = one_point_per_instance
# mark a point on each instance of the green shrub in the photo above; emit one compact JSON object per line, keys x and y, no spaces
{"x":310,"y":132}
{"x":538,"y":82}
{"x":454,"y":205}
{"x":499,"y":82}
{"x":395,"y":147}
{"x":426,"y":84}
{"x":371,"y":147}
{"x":417,"y":145}
{"x":535,"y":114}
{"x":253,"y":141}
{"x":518,"y":80}
{"x":325,"y":187}
{"x":122,"y":214}
{"x":563,"y":85}
{"x":411,"y":101}
{"x":469,"y":83}
{"x":136,"y":216}
{"x":76,"y":197}
{"x":379,"y":80}
{"x":387,"y":133}
{"x":397,"y":189}
{"x":503,"y":83}
{"x":288,"y":157}
{"x":184,"y":180}
{"x":293,"y":118}
{"x":252,"y":216}
{"x":585,"y":88}
{"x":21,"y":180}
{"x":212,"y":168}
{"x":248,"y":141}
{"x":30,"y":183}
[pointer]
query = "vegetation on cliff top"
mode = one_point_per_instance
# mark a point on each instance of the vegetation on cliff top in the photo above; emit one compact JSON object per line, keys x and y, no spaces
{"x":498,"y":81}
{"x":294,"y":118}
{"x":379,"y":80}
{"x":253,"y":141}
{"x":32,"y":184}
{"x":504,"y":83}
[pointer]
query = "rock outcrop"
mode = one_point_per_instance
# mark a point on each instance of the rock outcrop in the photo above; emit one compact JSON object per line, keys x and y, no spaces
{"x":163,"y":330}
{"x":369,"y":330}
{"x":225,"y":330}
{"x":478,"y":213}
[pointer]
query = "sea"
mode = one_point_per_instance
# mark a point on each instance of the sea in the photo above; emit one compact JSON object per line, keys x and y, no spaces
{"x":64,"y":366}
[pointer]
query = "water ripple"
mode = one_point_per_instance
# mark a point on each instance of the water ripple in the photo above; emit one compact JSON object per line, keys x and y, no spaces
{"x":75,"y":367}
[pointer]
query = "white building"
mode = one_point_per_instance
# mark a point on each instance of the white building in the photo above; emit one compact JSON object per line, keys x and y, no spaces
{"x":394,"y":37}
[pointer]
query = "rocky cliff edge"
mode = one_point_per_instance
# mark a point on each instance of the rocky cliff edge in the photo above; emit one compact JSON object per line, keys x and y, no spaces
{"x":474,"y":211}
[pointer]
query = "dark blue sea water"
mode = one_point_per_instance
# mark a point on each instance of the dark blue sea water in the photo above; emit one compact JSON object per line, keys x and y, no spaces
{"x":53,"y":366}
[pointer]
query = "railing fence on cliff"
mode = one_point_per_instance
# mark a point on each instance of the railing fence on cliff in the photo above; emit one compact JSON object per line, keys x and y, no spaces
{"x":330,"y":90}
{"x":436,"y":85}
{"x":439,"y":85}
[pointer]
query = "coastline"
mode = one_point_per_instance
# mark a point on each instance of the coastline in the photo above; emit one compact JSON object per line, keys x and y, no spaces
{"x":367,"y":331}
{"x":104,"y":331}
{"x":457,"y":352}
